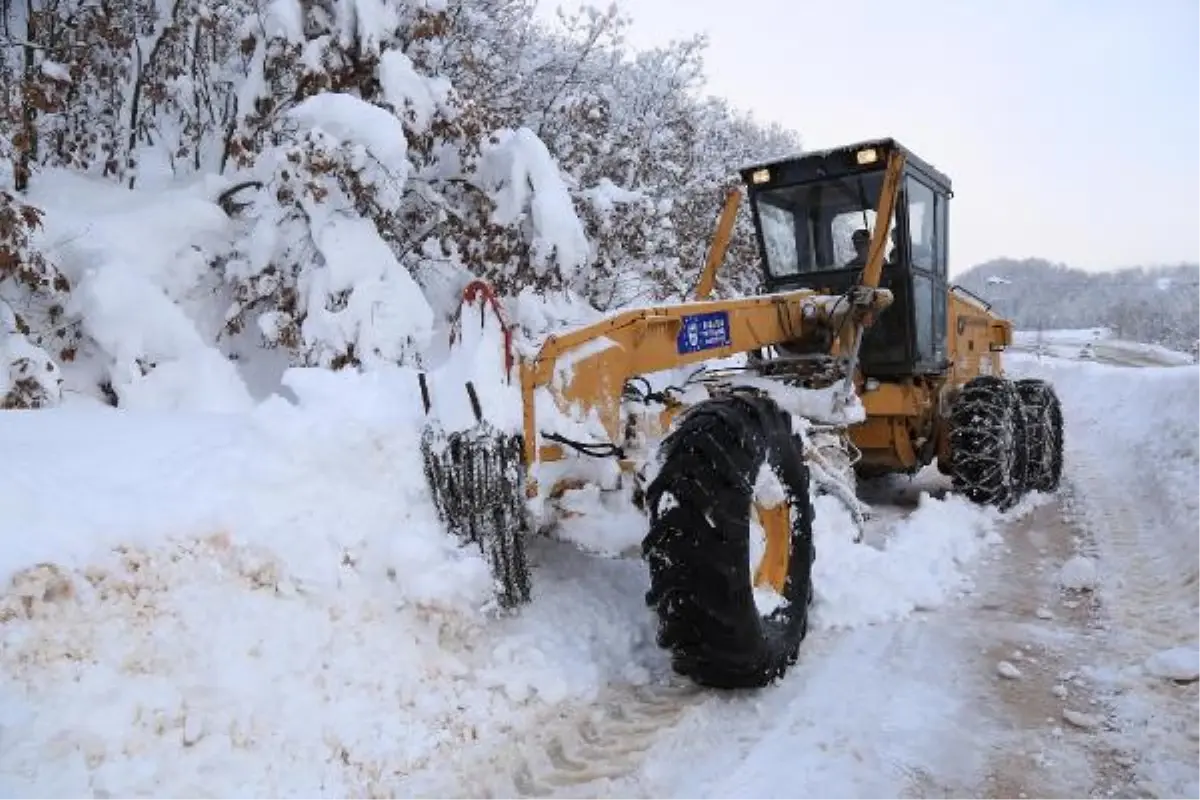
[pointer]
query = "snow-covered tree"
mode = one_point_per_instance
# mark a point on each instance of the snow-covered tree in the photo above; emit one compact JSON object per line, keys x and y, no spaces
{"x":382,"y":153}
{"x":1159,"y":305}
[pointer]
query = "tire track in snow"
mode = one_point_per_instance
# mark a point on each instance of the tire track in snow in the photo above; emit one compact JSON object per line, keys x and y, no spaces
{"x":571,"y":749}
{"x":1151,"y":587}
{"x":604,"y":742}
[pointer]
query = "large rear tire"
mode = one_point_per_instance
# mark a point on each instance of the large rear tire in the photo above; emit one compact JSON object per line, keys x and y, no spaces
{"x":987,"y":442}
{"x":698,"y":547}
{"x":1043,"y":434}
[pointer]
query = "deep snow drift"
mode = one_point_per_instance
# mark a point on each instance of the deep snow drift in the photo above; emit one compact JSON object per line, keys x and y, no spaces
{"x":263,"y":603}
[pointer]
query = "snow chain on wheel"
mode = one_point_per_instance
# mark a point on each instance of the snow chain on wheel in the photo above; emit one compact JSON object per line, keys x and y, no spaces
{"x":476,"y":482}
{"x":698,"y":547}
{"x":987,"y":442}
{"x":1044,"y":434}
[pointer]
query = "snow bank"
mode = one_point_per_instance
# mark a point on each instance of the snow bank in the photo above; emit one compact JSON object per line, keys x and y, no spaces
{"x":923,"y":564}
{"x":226,"y":602}
{"x":301,"y":481}
{"x":263,"y":604}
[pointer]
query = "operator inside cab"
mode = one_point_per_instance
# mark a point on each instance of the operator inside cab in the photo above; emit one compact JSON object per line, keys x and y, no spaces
{"x":861,"y":239}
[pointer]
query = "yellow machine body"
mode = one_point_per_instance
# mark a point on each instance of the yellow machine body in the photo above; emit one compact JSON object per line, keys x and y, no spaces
{"x":904,"y":428}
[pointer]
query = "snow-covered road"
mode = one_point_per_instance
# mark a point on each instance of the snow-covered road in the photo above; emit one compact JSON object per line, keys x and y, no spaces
{"x":281,"y":617}
{"x":1133,"y":491}
{"x":1006,"y":692}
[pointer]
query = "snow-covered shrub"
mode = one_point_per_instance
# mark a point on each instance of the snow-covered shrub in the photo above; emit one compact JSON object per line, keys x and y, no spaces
{"x":183,"y":101}
{"x":29,"y":378}
{"x":325,"y":120}
{"x":33,"y":324}
{"x":636,"y":259}
{"x":375,"y":171}
{"x":314,"y":272}
{"x":526,"y":191}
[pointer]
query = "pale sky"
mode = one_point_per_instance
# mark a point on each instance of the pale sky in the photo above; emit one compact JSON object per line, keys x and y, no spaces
{"x":1070,"y":128}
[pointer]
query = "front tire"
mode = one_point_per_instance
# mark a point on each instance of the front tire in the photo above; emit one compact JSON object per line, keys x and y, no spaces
{"x":698,"y":547}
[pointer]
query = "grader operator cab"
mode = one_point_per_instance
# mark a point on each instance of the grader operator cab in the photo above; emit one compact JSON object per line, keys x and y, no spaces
{"x":814,"y":216}
{"x":858,"y":359}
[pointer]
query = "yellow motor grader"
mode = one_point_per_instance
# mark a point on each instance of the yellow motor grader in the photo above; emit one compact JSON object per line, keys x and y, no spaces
{"x":858,"y":359}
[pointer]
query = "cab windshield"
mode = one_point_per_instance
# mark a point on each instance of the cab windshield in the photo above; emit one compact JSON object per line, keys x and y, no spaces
{"x":810,"y":227}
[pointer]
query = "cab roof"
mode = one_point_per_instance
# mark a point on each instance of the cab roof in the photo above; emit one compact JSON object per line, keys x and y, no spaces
{"x":839,"y":162}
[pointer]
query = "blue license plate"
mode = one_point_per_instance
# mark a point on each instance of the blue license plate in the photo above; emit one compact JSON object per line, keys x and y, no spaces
{"x":704,"y":332}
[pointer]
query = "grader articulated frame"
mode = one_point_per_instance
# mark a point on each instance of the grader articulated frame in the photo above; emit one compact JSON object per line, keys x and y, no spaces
{"x":873,"y":367}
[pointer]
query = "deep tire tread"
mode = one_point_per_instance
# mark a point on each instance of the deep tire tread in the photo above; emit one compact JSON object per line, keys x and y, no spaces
{"x":698,"y":544}
{"x":1044,"y":434}
{"x":987,"y":442}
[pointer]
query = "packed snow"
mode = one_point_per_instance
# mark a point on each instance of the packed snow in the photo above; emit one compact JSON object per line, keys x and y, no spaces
{"x":1133,"y":468}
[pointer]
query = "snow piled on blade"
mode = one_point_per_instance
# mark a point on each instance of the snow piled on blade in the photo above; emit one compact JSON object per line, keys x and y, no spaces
{"x":921,"y":566}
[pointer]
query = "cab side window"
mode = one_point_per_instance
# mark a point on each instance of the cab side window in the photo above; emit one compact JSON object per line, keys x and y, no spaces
{"x":922,"y":227}
{"x":926,"y":228}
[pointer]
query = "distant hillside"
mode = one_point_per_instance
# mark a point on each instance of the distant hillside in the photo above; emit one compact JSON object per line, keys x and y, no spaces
{"x":1159,"y":305}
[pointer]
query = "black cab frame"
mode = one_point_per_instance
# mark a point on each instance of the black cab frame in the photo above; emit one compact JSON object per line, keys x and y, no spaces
{"x":809,"y":211}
